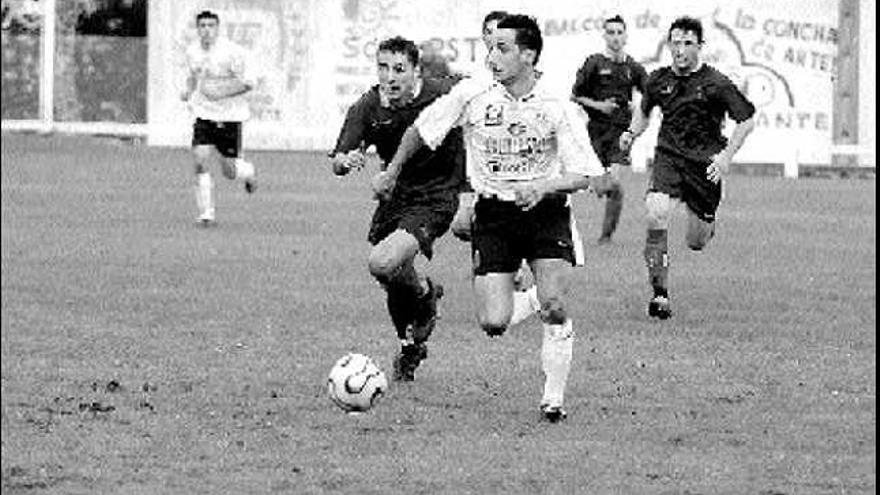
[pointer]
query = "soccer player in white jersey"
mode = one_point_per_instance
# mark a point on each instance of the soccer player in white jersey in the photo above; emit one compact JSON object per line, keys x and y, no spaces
{"x":527,"y":149}
{"x":215,"y":86}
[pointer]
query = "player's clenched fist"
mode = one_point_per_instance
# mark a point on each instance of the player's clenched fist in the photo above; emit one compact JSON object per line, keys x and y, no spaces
{"x":343,"y":163}
{"x":383,"y":184}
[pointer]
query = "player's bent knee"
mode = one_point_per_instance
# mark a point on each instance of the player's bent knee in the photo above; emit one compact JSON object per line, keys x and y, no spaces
{"x":383,"y":265}
{"x":657,"y":220}
{"x":493,"y":323}
{"x":462,"y":223}
{"x":658,"y":206}
{"x":228,"y":168}
{"x":553,"y":312}
{"x":461,"y":230}
{"x":696,"y":244}
{"x":201,"y":154}
{"x":698,"y":238}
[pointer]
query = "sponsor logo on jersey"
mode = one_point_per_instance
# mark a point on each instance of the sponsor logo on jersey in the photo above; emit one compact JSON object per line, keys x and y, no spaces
{"x":494,"y":115}
{"x":516,"y":129}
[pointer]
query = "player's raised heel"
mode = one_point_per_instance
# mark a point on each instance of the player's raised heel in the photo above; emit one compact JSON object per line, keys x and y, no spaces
{"x":659,"y":308}
{"x":250,"y":185}
{"x":406,"y":362}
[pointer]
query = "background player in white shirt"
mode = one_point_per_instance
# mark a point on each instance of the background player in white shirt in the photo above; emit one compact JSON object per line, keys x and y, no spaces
{"x":215,"y":88}
{"x":526,"y":150}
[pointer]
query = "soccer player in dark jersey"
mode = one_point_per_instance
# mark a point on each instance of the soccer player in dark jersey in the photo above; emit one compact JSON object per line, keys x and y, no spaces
{"x":604,"y":86}
{"x":691,"y":154}
{"x":407,"y":222}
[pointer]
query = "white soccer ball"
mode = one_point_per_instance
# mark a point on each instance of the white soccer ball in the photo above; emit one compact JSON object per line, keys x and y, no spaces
{"x":355,"y":383}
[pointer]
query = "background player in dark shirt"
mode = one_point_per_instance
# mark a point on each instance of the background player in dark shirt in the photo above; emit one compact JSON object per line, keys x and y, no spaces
{"x":408,"y":221}
{"x":604,"y":87}
{"x":691,"y":154}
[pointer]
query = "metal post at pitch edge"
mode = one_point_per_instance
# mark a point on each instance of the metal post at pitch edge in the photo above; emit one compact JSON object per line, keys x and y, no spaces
{"x":845,"y":103}
{"x":47,"y":76}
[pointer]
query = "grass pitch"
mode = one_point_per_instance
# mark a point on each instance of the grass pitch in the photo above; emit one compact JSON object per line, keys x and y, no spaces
{"x":144,"y":355}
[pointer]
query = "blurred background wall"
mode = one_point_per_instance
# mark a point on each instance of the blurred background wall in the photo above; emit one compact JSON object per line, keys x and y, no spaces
{"x":121,"y":61}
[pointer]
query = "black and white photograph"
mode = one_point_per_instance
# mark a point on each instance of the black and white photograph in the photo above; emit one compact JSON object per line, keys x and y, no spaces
{"x":438,"y":247}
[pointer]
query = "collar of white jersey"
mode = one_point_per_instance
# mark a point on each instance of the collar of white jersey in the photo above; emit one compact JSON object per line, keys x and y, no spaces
{"x":539,"y":90}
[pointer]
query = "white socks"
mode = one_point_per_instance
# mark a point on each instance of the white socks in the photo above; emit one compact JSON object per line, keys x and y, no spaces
{"x":244,"y":169}
{"x":525,"y":304}
{"x":556,"y":354}
{"x":205,"y":195}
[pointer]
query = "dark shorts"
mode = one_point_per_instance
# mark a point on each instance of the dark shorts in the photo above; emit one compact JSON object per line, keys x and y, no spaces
{"x":686,"y":180}
{"x":504,"y":234}
{"x":426,"y":219}
{"x":225,"y":136}
{"x":605,"y":137}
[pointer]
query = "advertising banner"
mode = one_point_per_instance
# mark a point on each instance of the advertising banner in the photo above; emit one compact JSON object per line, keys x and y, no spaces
{"x":314,"y":58}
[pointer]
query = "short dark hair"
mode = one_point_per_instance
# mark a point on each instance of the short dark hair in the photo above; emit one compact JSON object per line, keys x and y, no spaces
{"x":614,"y":19}
{"x":495,"y":15}
{"x":687,"y":24}
{"x":206,"y":14}
{"x":528,"y":34}
{"x":399,"y":44}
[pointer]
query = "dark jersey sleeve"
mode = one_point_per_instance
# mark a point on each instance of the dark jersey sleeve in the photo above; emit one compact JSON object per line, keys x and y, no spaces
{"x":640,"y":77}
{"x":650,"y":93}
{"x":354,"y":129}
{"x":735,"y":102}
{"x":582,"y":78}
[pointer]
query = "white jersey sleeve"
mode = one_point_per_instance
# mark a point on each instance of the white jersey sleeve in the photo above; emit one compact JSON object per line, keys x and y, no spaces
{"x":575,"y":150}
{"x":191,"y":60}
{"x":447,"y":112}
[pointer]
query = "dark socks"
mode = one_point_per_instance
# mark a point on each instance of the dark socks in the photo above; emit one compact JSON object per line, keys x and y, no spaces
{"x":657,"y":260}
{"x":401,"y":306}
{"x":613,"y":207}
